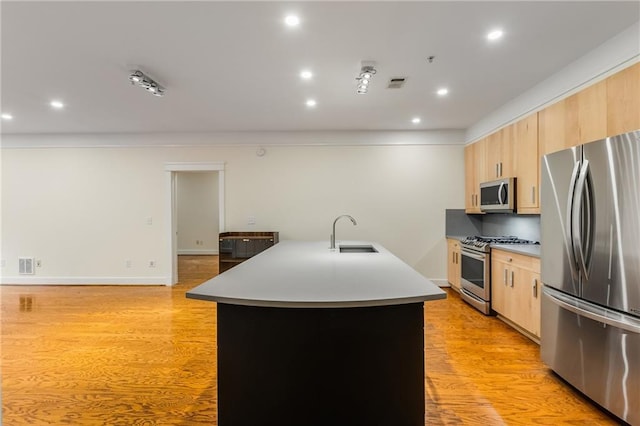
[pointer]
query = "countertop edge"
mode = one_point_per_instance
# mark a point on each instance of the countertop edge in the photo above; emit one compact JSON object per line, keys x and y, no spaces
{"x":306,"y":304}
{"x":532,"y":250}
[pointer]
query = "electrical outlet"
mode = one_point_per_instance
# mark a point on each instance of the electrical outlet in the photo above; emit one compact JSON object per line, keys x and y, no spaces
{"x":152,"y":264}
{"x":251,"y":220}
{"x":149,"y":220}
{"x":3,"y":263}
{"x":127,"y":264}
{"x":38,"y":263}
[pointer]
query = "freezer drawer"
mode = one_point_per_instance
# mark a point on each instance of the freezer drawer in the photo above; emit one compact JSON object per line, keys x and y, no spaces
{"x":596,"y":356}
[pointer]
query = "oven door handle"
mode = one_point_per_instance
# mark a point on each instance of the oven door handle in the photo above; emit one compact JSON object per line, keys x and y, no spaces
{"x":472,"y":255}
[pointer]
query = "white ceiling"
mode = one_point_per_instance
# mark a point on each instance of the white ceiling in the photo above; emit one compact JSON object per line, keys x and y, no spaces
{"x":233,"y":66}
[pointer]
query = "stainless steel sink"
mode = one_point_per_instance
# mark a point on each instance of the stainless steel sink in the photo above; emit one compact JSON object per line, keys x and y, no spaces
{"x":357,"y":249}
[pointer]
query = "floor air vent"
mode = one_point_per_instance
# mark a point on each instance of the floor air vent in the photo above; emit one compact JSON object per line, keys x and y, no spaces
{"x":25,"y":265}
{"x":396,"y":82}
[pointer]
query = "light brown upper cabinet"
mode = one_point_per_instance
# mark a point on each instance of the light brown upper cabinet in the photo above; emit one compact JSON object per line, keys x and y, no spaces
{"x":474,"y":169}
{"x":587,"y":115}
{"x":499,"y":154}
{"x":578,"y":119}
{"x":527,"y":164}
{"x":623,"y":101}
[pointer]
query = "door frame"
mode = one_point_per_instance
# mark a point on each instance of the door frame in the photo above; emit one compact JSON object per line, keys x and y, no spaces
{"x":171,"y":170}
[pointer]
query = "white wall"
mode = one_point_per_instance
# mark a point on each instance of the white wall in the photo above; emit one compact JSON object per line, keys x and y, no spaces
{"x":197,"y":211}
{"x":85,"y":211}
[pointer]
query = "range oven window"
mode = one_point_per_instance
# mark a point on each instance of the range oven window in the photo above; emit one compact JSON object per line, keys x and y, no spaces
{"x":473,"y":270}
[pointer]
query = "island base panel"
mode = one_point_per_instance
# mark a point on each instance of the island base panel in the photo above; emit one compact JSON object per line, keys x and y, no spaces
{"x":336,"y":366}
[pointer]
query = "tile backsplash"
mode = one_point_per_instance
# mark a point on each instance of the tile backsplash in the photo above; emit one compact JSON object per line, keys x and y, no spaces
{"x":458,"y":223}
{"x":527,"y":226}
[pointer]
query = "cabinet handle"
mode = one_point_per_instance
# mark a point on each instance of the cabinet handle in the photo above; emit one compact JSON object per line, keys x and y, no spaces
{"x":457,"y":258}
{"x":504,"y":279}
{"x":246,"y":240}
{"x":511,"y":278}
{"x":533,"y":194}
{"x":453,"y":258}
{"x":501,"y":169}
{"x":535,"y":288}
{"x":497,"y":175}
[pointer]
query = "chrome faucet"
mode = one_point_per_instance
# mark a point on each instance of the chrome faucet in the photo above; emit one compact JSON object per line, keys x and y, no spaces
{"x":333,"y":235}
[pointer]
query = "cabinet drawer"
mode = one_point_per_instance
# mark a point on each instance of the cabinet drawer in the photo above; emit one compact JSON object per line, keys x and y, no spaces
{"x":518,"y":260}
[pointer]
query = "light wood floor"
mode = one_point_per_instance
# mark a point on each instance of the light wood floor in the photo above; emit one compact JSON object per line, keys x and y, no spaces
{"x":87,"y":355}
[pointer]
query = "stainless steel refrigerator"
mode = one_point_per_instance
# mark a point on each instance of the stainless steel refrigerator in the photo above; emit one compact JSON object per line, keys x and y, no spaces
{"x":590,"y":236}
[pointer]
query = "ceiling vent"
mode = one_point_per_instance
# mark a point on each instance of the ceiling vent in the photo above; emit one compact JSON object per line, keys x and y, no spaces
{"x":396,"y":82}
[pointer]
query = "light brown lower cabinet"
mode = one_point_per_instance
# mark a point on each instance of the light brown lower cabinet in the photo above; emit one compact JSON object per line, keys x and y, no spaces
{"x":516,"y":289}
{"x":453,"y":263}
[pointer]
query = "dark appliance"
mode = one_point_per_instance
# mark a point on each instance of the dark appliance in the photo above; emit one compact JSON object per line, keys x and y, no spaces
{"x":236,"y":247}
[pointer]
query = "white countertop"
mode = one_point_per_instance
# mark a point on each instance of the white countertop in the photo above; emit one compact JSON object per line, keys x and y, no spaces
{"x":306,"y":274}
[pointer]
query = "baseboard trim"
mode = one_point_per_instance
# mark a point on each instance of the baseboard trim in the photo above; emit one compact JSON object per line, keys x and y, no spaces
{"x":196,"y":252}
{"x":32,"y":280}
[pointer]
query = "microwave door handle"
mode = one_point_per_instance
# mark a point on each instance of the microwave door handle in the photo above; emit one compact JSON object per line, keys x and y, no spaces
{"x":500,"y":193}
{"x":571,"y":207}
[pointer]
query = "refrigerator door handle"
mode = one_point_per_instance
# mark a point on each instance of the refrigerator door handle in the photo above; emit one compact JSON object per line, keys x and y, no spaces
{"x":571,"y":207}
{"x":581,"y":221}
{"x":594,"y":312}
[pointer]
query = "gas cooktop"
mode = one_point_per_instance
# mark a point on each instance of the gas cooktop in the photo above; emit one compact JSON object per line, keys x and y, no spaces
{"x":482,"y":243}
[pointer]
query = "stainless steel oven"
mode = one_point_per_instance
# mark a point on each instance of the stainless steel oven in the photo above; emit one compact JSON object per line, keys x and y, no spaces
{"x":476,"y":269}
{"x":475,"y":278}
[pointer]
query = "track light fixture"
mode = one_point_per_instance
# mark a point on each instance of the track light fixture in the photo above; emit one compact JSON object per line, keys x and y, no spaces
{"x":139,"y":78}
{"x":364,"y":78}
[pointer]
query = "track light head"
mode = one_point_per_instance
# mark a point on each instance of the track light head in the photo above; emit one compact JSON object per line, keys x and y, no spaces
{"x":139,"y":78}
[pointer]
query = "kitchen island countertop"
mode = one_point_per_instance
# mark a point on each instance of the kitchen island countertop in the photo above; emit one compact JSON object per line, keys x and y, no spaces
{"x":307,"y":274}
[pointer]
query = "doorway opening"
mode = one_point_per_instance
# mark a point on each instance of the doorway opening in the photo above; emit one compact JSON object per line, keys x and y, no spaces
{"x":173,"y":172}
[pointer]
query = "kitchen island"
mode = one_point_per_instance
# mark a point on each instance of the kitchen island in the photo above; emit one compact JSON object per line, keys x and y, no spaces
{"x":312,"y":336}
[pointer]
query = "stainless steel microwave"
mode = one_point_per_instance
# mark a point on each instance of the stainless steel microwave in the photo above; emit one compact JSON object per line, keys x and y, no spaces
{"x":498,"y":196}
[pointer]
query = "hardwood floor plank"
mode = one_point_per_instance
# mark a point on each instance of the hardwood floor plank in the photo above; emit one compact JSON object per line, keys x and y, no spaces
{"x":100,"y":355}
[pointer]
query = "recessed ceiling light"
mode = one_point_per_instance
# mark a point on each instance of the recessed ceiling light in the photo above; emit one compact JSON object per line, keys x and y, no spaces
{"x":415,"y":120}
{"x":56,"y":104}
{"x":292,"y":21}
{"x":6,"y":116}
{"x":311,"y":103}
{"x":442,"y":92}
{"x":495,"y":35}
{"x":306,"y":75}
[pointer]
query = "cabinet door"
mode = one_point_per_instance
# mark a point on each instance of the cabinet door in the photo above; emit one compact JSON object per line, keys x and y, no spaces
{"x":527,"y":164}
{"x":469,"y":179}
{"x":586,"y":115}
{"x":526,"y":300}
{"x":453,"y":263}
{"x":623,"y":102}
{"x":551,"y":129}
{"x":474,"y":160}
{"x":506,"y":165}
{"x":500,"y":290}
